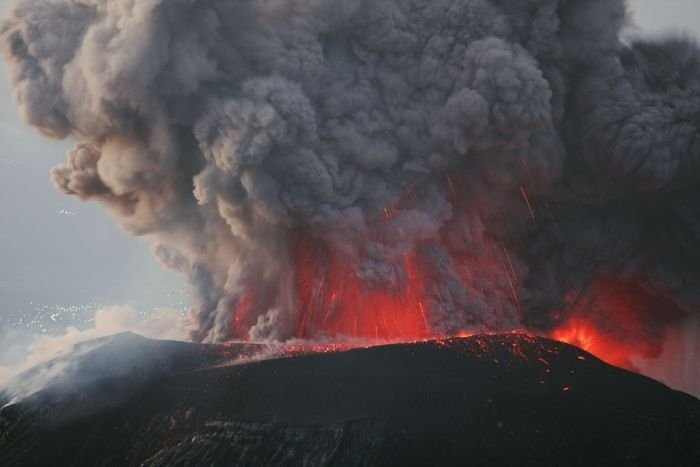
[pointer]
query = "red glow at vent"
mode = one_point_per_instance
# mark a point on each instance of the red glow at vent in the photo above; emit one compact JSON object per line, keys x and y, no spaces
{"x":334,"y":301}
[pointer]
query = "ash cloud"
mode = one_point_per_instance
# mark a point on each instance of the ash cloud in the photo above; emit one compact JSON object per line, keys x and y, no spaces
{"x":522,"y":149}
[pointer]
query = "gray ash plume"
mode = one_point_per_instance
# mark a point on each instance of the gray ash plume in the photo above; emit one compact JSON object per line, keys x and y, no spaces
{"x":507,"y":153}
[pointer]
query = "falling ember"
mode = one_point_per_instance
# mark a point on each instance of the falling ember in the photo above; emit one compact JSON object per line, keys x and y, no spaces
{"x":527,"y":202}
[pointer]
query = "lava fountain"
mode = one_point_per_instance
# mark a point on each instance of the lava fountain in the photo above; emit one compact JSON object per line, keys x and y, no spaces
{"x":333,"y":301}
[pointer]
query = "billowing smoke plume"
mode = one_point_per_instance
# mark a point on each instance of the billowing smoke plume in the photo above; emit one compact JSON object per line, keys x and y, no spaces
{"x":430,"y":166}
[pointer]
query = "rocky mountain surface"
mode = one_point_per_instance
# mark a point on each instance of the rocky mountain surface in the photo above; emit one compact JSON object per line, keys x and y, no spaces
{"x":507,"y":399}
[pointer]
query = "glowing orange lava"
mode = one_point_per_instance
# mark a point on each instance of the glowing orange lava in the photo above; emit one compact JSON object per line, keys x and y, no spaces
{"x":612,"y":319}
{"x":586,"y":336}
{"x":244,"y":318}
{"x":334,"y":301}
{"x":617,"y":320}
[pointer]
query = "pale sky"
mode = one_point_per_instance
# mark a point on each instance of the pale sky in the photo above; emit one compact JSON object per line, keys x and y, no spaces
{"x":60,"y":256}
{"x":63,"y":258}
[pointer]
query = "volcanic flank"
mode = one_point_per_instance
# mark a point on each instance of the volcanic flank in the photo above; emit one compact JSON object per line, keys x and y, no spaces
{"x":508,"y":399}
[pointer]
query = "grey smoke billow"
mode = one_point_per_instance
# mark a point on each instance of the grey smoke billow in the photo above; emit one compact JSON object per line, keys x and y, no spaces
{"x":528,"y":148}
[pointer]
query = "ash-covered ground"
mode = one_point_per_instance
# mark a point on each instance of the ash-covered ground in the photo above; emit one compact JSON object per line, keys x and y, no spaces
{"x":506,"y":399}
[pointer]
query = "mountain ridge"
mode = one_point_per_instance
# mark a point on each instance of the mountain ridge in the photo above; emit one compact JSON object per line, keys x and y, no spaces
{"x":508,"y":399}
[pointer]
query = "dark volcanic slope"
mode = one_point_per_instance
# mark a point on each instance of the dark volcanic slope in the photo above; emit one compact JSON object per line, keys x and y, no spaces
{"x":485,"y":400}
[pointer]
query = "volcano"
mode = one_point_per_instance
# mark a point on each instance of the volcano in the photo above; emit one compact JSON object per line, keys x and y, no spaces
{"x":505,"y":399}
